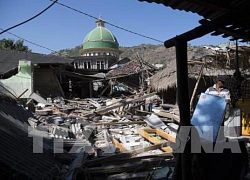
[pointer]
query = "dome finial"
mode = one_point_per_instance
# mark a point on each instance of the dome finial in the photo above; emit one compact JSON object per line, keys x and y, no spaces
{"x":100,"y":22}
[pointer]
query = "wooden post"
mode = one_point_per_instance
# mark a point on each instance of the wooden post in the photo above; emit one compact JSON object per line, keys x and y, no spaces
{"x":183,"y":102}
{"x":182,"y":82}
{"x":196,"y":86}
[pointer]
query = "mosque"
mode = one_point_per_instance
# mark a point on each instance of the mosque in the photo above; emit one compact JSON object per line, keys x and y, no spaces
{"x":100,"y":54}
{"x":99,"y":51}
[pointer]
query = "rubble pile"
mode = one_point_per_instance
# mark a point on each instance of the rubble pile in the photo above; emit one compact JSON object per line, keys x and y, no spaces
{"x":117,"y":138}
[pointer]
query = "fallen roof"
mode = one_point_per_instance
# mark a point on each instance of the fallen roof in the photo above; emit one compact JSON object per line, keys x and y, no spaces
{"x":9,"y":60}
{"x":134,"y":66}
{"x":16,"y":152}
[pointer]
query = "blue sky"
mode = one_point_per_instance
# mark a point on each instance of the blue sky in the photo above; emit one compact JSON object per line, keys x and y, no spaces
{"x":61,"y":28}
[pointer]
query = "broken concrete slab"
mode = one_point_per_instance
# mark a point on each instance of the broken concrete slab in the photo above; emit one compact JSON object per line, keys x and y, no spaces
{"x":39,"y":98}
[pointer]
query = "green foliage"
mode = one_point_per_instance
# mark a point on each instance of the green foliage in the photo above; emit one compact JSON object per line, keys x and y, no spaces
{"x":10,"y":44}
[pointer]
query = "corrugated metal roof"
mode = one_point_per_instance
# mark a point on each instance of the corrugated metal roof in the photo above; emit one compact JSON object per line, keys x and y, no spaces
{"x":209,"y":9}
{"x":232,"y":13}
{"x":9,"y":59}
{"x":16,"y":150}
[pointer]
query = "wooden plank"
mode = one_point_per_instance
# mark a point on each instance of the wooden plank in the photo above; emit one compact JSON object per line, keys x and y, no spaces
{"x":132,"y":116}
{"x":167,"y":149}
{"x":169,"y":106}
{"x":119,"y":145}
{"x":145,"y":149}
{"x":196,"y":86}
{"x":161,"y":133}
{"x":141,"y":112}
{"x":199,"y":31}
{"x":166,"y":114}
{"x":150,"y":130}
{"x":165,"y":135}
{"x":120,"y":104}
{"x":117,"y":123}
{"x":144,"y":134}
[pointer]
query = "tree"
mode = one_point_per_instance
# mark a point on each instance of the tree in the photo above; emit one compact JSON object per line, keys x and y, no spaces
{"x":10,"y":44}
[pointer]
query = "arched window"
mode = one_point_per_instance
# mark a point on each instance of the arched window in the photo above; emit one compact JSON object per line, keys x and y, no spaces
{"x":102,"y":64}
{"x":98,"y":65}
{"x":85,"y":65}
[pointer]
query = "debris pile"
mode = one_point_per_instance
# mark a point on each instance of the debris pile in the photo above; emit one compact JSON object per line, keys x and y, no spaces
{"x":119,"y":138}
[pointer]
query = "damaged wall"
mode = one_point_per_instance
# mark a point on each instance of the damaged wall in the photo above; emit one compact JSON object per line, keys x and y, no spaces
{"x":46,"y":83}
{"x":22,"y":81}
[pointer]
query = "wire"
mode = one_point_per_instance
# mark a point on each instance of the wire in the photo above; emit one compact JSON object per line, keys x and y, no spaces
{"x":29,"y":18}
{"x":109,"y":23}
{"x":73,"y":10}
{"x":30,"y":42}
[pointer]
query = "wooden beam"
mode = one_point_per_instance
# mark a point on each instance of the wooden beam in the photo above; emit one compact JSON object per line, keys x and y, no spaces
{"x":151,"y":139}
{"x":166,"y":114}
{"x":145,"y":133}
{"x":167,"y":149}
{"x":119,"y":104}
{"x":119,"y":145}
{"x":199,"y":31}
{"x":182,"y":82}
{"x":165,"y":135}
{"x":210,"y":6}
{"x":183,"y":102}
{"x":161,"y":133}
{"x":120,"y":123}
{"x":230,"y":31}
{"x":169,"y":106}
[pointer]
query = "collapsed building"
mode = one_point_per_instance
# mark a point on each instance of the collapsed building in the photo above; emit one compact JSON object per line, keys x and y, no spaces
{"x":49,"y":109}
{"x":130,"y":136}
{"x":104,"y":137}
{"x":204,"y":65}
{"x":110,"y":138}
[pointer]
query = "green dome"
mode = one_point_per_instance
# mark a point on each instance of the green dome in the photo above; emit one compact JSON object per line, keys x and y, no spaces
{"x":100,"y":37}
